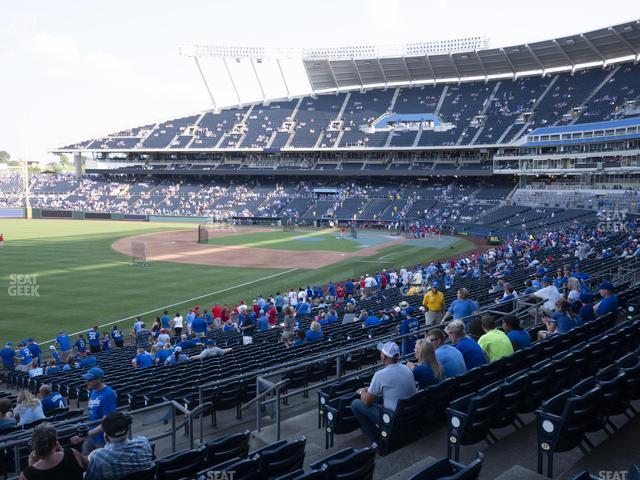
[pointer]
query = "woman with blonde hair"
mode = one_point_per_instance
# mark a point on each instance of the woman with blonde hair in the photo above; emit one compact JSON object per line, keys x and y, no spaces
{"x":28,"y":408}
{"x":315,"y":332}
{"x":427,"y":371}
{"x":573,"y":284}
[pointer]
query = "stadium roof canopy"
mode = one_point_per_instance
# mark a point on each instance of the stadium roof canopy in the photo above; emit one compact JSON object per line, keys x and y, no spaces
{"x":331,"y":69}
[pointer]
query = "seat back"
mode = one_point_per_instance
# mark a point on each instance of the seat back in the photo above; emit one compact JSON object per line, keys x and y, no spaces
{"x":282,"y":459}
{"x":180,"y":464}
{"x":149,"y":474}
{"x":225,"y":448}
{"x":243,"y":469}
{"x":358,"y":465}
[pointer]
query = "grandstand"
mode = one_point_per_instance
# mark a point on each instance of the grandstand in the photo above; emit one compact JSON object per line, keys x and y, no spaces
{"x":537,"y":146}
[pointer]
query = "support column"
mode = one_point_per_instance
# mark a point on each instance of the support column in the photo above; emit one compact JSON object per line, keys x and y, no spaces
{"x":233,"y":83}
{"x":77,"y":164}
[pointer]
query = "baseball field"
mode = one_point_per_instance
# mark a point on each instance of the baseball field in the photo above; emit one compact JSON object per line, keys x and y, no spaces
{"x":73,"y":274}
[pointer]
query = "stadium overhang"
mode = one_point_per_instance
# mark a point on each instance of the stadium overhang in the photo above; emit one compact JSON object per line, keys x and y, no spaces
{"x":353,"y":67}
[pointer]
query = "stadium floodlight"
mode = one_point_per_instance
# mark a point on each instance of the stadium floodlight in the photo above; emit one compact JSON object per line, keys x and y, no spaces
{"x":347,"y":52}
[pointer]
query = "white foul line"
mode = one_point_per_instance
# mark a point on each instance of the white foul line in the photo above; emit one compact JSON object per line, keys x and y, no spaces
{"x":180,"y":303}
{"x":387,"y":255}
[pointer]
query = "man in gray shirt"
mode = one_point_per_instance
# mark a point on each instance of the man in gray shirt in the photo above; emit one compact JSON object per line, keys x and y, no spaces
{"x":394,"y":382}
{"x":211,"y":351}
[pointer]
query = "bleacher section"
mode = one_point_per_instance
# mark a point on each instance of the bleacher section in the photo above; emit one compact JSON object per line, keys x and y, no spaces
{"x":478,"y":118}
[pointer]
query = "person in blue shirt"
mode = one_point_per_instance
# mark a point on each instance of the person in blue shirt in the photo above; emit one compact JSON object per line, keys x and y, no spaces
{"x":88,"y":361}
{"x":142,"y":360}
{"x":409,"y":325}
{"x":301,"y":339}
{"x":165,"y":320}
{"x":64,"y":342}
{"x":188,"y":342}
{"x":461,"y":307}
{"x":54,"y":353}
{"x":116,"y":334}
{"x":371,"y":321}
{"x":80,"y":344}
{"x":162,"y":352}
{"x":314,"y":333}
{"x":331,"y":292}
{"x":472,"y":353}
{"x":608,"y":303}
{"x":263,"y":322}
{"x":278,"y":301}
{"x":562,"y":320}
{"x":24,"y":357}
{"x":349,"y":287}
{"x":53,"y":367}
{"x":8,"y":354}
{"x":426,"y":371}
{"x":50,"y":400}
{"x":449,"y":357}
{"x":520,"y":338}
{"x":331,"y":317}
{"x":586,"y":312}
{"x":199,"y":326}
{"x":105,"y":340}
{"x":303,"y":308}
{"x":102,"y":401}
{"x":35,"y":350}
{"x":93,"y":336}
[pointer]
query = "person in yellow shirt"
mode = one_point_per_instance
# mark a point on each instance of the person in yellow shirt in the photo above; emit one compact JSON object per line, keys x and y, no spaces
{"x":433,"y":302}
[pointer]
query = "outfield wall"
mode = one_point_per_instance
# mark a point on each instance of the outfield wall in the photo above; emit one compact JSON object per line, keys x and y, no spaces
{"x":12,"y":213}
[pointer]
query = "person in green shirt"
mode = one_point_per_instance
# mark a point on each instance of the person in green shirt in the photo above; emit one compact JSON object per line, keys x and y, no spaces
{"x":495,"y":343}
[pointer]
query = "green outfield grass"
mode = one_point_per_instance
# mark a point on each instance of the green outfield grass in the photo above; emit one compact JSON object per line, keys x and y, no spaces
{"x":296,"y":241}
{"x":82,"y":281}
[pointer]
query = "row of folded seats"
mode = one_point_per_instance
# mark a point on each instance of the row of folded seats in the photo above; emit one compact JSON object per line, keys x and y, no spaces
{"x":425,"y":411}
{"x":229,"y":457}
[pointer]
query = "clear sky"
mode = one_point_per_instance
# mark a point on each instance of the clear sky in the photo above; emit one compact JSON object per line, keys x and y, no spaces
{"x":75,"y":69}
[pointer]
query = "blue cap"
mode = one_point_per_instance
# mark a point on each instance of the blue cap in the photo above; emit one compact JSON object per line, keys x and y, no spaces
{"x":435,"y":285}
{"x":606,"y":286}
{"x":29,"y":339}
{"x":93,"y":374}
{"x":547,"y":279}
{"x":210,"y":342}
{"x":9,"y":344}
{"x":541,"y":271}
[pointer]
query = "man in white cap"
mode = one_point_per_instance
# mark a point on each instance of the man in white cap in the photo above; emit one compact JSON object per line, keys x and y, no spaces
{"x":394,"y":382}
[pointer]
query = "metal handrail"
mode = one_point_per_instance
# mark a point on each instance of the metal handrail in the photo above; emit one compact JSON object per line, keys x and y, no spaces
{"x":17,"y":443}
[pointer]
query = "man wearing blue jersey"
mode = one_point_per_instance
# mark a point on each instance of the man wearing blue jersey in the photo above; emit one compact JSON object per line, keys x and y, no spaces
{"x":8,"y":354}
{"x":102,"y":401}
{"x":80,"y":344}
{"x":50,"y":400}
{"x":35,"y":350}
{"x":116,"y":334}
{"x":93,"y":336}
{"x":64,"y":342}
{"x":166,"y":320}
{"x":24,"y":358}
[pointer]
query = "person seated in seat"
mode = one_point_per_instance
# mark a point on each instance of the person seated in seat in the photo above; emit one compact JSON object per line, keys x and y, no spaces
{"x":50,"y":400}
{"x":448,"y":356}
{"x":586,"y":312}
{"x":120,"y":456}
{"x":49,"y":461}
{"x":426,"y":371}
{"x":494,"y":342}
{"x":6,"y":414}
{"x":142,"y":360}
{"x":471,"y":352}
{"x":314,"y":333}
{"x":301,"y":339}
{"x":561,"y":320}
{"x":177,"y":358}
{"x":211,"y":351}
{"x":28,"y":408}
{"x":519,"y":337}
{"x":608,"y":303}
{"x":389,"y":385}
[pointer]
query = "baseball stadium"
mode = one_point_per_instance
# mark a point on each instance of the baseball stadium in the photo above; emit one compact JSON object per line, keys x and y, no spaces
{"x":423,"y":266}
